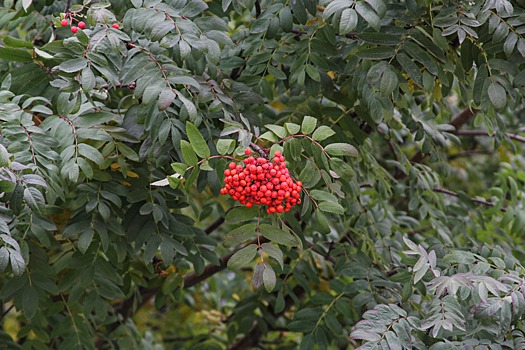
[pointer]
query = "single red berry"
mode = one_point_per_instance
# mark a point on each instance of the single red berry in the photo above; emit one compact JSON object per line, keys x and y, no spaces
{"x":81,"y":25}
{"x":116,"y":26}
{"x":247,"y":151}
{"x":232,"y":165}
{"x":74,"y":29}
{"x":64,"y":22}
{"x":277,"y":154}
{"x":249,"y":205}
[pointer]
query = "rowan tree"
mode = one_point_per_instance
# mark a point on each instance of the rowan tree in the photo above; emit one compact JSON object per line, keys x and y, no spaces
{"x":277,"y":174}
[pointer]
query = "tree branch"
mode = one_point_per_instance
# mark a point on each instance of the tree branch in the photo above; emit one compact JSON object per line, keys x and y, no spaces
{"x":485,"y":133}
{"x":461,"y":119}
{"x":475,"y":200}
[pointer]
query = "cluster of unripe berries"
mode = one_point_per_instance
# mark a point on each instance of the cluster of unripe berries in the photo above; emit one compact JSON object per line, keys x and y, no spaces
{"x":81,"y":25}
{"x":263,"y":182}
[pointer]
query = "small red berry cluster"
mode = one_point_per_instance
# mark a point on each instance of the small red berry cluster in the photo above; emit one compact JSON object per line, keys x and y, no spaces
{"x":259,"y":181}
{"x":80,"y":25}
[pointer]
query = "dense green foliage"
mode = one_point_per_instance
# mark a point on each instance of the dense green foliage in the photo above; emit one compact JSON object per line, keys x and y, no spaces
{"x":401,"y":119}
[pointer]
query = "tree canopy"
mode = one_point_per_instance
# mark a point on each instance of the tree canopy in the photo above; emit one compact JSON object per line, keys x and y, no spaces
{"x":381,"y":205}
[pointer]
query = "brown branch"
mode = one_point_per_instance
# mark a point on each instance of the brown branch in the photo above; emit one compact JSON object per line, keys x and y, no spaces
{"x":461,"y":119}
{"x":470,"y":152}
{"x":475,"y":200}
{"x":464,"y":117}
{"x":216,"y":224}
{"x":486,"y":133}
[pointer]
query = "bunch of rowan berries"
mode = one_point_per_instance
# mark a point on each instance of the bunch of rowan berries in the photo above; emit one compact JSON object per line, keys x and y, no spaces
{"x":257,"y":180}
{"x":80,"y":24}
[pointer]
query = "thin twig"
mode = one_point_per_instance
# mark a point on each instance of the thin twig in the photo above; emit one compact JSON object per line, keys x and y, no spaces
{"x":7,"y":311}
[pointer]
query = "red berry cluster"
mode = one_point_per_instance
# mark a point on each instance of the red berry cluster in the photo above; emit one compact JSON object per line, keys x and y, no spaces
{"x":74,"y":29}
{"x":80,"y":25}
{"x":260,"y":181}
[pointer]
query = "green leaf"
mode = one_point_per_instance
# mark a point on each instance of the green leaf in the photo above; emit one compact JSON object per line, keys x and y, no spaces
{"x":293,"y":148}
{"x":4,"y":258}
{"x":11,"y":41}
{"x":308,"y":125}
{"x":389,"y":82}
{"x":286,"y":19}
{"x":277,"y":130}
{"x":322,"y":133}
{"x":84,"y":241}
{"x":348,"y":21}
{"x":17,"y":262}
{"x":92,"y":119}
{"x":15,"y":55}
{"x":319,"y":195}
{"x":190,"y":107}
{"x":188,"y":153}
{"x":206,"y":166}
{"x":179,"y":168}
{"x":225,"y":146}
{"x":90,"y":153}
{"x":242,"y":257}
{"x":29,"y":302}
{"x":34,"y":199}
{"x":292,"y":128}
{"x":269,"y":278}
{"x":341,"y":149}
{"x":368,"y":15}
{"x":332,"y":207}
{"x":277,"y":235}
{"x":410,"y":68}
{"x":127,"y":152}
{"x":257,"y":279}
{"x":274,"y":252}
{"x":270,"y":136}
{"x":381,"y":38}
{"x":73,"y":65}
{"x":43,"y":54}
{"x":239,"y":235}
{"x":197,"y":141}
{"x":497,"y":95}
{"x":378,"y":6}
{"x":341,"y":168}
{"x":241,"y":214}
{"x":4,"y":156}
{"x":166,"y":98}
{"x":87,"y":79}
